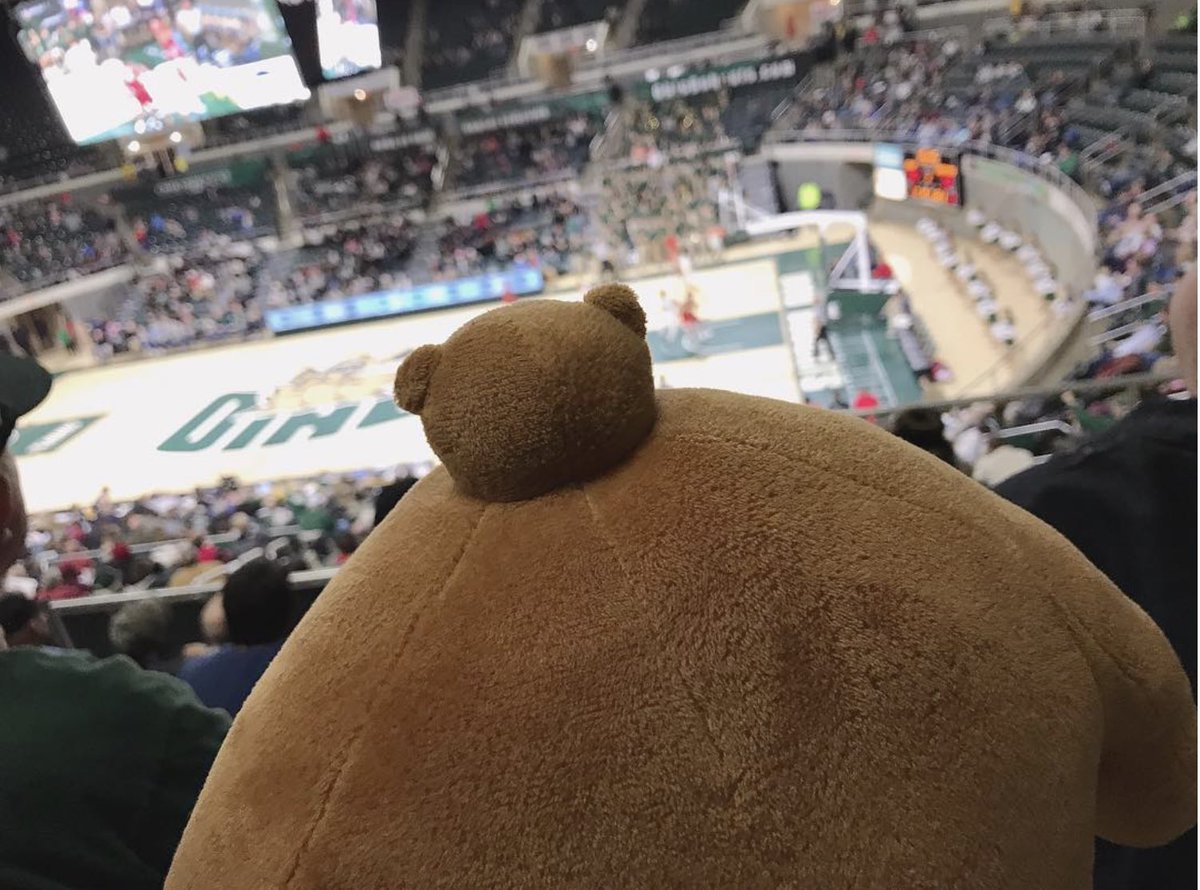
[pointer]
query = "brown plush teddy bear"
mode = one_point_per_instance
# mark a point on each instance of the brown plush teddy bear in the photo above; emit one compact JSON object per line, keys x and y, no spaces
{"x":690,"y":639}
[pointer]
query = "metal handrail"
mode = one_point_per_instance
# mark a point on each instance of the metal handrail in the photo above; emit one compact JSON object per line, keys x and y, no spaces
{"x":1170,"y":187}
{"x":1019,"y":355}
{"x":1118,"y":333}
{"x":50,"y":557}
{"x":1126,"y":305}
{"x":1068,"y":22}
{"x":110,"y":602}
{"x":1078,"y":387}
{"x":1044,"y":426}
{"x":1092,"y":151}
{"x":669,"y":47}
{"x":1167,"y":203}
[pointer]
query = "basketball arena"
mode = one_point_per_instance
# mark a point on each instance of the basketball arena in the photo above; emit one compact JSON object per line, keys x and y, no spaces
{"x":918,"y":279}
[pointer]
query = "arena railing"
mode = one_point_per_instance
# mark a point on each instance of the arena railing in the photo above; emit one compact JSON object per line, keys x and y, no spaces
{"x":1121,"y":22}
{"x":1046,"y":170}
{"x":1121,"y":332}
{"x":50,"y":558}
{"x":730,"y":45}
{"x":1126,"y":305}
{"x":83,"y":623}
{"x":1139,"y":384}
{"x":499,"y":187}
{"x":1031,"y":355}
{"x":1168,"y":194}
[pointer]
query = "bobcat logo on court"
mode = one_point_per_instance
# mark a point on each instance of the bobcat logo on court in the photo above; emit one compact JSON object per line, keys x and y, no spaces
{"x":352,"y":394}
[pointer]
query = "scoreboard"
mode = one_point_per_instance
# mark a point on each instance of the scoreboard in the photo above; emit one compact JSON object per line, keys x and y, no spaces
{"x":934,"y":176}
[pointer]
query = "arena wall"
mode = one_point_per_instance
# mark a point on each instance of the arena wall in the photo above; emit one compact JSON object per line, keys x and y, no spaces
{"x":1062,"y":223}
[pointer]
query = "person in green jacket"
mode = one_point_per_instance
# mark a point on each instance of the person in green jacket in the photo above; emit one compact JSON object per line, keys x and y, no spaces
{"x":100,"y":761}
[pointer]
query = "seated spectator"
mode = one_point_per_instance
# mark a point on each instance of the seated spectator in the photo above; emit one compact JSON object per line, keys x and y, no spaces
{"x":978,"y":289}
{"x":528,"y":152}
{"x":45,"y":242}
{"x":331,"y":179}
{"x":194,"y":221}
{"x":1046,"y":285}
{"x":257,"y":601}
{"x":999,"y":462}
{"x":131,"y":748}
{"x":347,"y":543}
{"x":1144,"y":340}
{"x":1011,"y":240}
{"x":66,"y":586}
{"x":923,"y":428}
{"x":24,"y":621}
{"x":189,"y":568}
{"x":390,"y":495}
{"x":864,"y":399}
{"x":1004,"y":329}
{"x":141,"y":630}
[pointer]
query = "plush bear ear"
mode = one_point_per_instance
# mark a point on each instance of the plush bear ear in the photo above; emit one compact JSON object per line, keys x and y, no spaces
{"x":413,"y":376}
{"x":619,"y":301}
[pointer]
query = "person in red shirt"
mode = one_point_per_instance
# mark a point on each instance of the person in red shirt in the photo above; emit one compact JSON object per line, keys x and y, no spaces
{"x":206,"y":551}
{"x":865,"y":399}
{"x":671,"y":246}
{"x":882,"y":270}
{"x":69,"y":589}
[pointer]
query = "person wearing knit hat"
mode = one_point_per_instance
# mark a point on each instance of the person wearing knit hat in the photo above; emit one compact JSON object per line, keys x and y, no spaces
{"x":100,"y":761}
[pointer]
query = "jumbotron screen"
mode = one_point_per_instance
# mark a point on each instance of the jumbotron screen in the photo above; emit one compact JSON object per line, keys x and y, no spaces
{"x":120,"y":69}
{"x":347,"y":37}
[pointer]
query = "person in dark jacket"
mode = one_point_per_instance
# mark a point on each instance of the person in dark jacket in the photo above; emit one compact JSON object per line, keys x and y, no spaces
{"x":100,"y":761}
{"x":23,"y":621}
{"x":257,"y":600}
{"x":1127,"y":499}
{"x":923,"y":427}
{"x":390,"y":495}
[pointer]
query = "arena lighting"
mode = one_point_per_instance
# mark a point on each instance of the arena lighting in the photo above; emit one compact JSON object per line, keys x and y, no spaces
{"x":134,"y":145}
{"x":360,"y":95}
{"x":176,"y":137}
{"x":591,"y":44}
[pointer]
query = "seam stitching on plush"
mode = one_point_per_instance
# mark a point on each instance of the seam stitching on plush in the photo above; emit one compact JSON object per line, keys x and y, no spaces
{"x":358,"y":730}
{"x":629,"y":582}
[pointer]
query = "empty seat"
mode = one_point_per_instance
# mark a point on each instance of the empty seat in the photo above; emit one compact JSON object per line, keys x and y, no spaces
{"x":672,"y":19}
{"x":1163,"y":106}
{"x":1173,"y":61}
{"x":556,"y":14}
{"x":1180,"y":83}
{"x":1177,"y":43}
{"x":462,"y":45}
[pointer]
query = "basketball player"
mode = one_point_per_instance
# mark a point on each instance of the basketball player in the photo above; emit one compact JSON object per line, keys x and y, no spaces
{"x":689,"y":321}
{"x":672,"y":331}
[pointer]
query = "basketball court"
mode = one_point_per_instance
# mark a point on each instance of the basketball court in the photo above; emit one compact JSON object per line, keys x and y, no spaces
{"x":321,"y":402}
